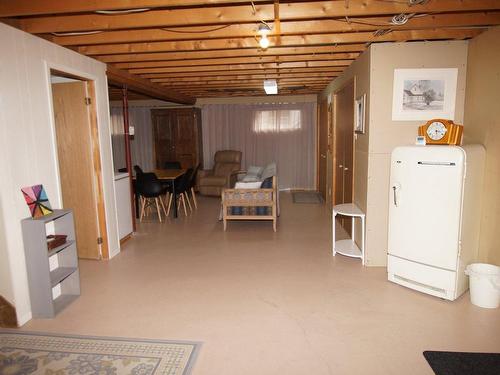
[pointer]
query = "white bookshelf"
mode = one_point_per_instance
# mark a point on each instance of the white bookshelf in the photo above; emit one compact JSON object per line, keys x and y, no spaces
{"x":53,"y":275}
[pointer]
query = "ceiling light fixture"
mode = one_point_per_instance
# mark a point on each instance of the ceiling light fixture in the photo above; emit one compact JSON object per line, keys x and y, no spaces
{"x":264,"y":30}
{"x":270,"y":87}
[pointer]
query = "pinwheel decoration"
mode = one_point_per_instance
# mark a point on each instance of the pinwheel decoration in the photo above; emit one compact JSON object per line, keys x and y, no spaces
{"x":37,"y":201}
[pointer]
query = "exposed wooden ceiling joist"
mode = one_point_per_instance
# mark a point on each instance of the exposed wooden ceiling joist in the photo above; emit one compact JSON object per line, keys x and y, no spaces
{"x":268,"y":65}
{"x":260,"y":77}
{"x":244,"y":72}
{"x":254,"y":84}
{"x":243,"y":14}
{"x":250,"y":61}
{"x":295,"y":40}
{"x":31,"y":8}
{"x":151,"y":58}
{"x":181,"y":49}
{"x":146,"y":87}
{"x":326,"y":26}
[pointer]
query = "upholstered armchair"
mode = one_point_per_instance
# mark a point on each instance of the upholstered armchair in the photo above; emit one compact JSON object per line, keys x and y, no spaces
{"x":227,"y":164}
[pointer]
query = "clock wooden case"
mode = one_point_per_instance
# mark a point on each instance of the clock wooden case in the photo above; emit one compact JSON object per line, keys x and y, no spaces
{"x":441,"y":132}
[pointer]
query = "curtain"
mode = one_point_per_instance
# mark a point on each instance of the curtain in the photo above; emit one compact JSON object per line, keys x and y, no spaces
{"x":141,"y":145}
{"x":117,"y":138}
{"x":283,"y":133}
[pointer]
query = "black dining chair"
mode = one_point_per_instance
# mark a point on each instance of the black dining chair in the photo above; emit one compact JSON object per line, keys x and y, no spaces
{"x":138,"y":170}
{"x":172,"y":165}
{"x":181,"y":186}
{"x":150,"y":190}
{"x":191,"y":185}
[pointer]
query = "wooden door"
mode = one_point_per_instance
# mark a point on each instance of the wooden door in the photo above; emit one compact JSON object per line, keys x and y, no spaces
{"x":164,"y":137}
{"x":76,"y":169}
{"x":330,"y":156}
{"x":338,"y":164}
{"x":344,"y":147}
{"x":322,"y":147}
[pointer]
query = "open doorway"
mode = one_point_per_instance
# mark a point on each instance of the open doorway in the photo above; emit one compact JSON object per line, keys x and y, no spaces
{"x":79,"y":161}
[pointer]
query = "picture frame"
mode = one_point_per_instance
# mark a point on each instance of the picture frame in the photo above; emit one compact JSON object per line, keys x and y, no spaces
{"x":359,"y":114}
{"x":421,"y":94}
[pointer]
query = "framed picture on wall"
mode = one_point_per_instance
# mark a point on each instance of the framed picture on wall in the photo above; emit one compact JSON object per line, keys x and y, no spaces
{"x":421,"y":94}
{"x":359,"y":114}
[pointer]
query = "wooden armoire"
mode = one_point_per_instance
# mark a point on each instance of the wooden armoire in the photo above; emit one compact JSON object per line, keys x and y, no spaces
{"x":177,"y":136}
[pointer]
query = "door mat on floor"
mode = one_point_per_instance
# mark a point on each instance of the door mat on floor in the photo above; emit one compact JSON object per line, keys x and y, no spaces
{"x":307,"y":197}
{"x":457,"y":363}
{"x":43,"y":353}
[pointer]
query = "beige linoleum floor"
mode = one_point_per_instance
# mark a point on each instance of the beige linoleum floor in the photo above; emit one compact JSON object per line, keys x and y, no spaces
{"x":268,"y":303}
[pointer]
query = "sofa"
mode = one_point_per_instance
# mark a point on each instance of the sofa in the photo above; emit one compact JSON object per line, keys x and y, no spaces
{"x":227,"y":164}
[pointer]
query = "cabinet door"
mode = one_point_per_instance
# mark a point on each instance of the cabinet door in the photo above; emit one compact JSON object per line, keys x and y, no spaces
{"x":185,"y":138}
{"x":164,"y":137}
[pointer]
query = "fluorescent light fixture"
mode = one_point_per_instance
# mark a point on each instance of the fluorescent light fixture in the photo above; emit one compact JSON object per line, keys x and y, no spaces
{"x":270,"y":87}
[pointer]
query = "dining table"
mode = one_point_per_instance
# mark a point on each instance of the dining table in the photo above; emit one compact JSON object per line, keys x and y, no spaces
{"x":165,"y":175}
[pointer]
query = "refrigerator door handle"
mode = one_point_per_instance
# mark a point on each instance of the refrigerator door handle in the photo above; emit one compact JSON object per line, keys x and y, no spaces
{"x":395,"y":189}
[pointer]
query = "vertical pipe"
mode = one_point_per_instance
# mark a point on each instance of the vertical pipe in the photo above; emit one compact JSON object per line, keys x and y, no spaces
{"x":128,"y":157}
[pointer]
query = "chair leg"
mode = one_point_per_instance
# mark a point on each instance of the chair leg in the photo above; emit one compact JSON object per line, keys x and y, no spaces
{"x":143,"y":203}
{"x":163,"y":207}
{"x":184,"y":204}
{"x":186,"y":196}
{"x":158,"y":209}
{"x":171,"y":196}
{"x":194,"y":198}
{"x":274,"y":225}
{"x":225,"y":224}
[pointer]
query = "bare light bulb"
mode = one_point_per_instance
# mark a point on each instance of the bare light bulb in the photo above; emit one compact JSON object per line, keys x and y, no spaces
{"x":264,"y":42}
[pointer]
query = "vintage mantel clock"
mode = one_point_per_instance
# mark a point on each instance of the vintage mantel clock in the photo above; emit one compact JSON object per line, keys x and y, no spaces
{"x":441,"y":132}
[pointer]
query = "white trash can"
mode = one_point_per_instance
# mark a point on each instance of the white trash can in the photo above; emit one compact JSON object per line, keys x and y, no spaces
{"x":484,"y":284}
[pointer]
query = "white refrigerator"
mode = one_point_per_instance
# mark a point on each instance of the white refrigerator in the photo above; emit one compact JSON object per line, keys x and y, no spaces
{"x":434,"y":217}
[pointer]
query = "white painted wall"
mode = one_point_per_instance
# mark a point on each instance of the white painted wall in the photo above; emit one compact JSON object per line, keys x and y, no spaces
{"x":374,"y":72}
{"x":482,"y":125}
{"x":386,"y":134}
{"x":28,"y":150}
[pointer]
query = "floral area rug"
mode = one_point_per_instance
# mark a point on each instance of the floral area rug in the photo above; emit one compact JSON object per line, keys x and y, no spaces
{"x":23,"y":353}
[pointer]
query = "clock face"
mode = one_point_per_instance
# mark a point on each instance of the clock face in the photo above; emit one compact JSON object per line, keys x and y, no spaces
{"x":436,"y":131}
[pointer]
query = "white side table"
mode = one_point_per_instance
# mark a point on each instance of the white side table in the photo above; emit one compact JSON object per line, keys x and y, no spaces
{"x":348,"y":247}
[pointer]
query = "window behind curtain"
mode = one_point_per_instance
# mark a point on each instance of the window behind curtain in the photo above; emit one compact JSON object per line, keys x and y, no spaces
{"x":284,"y":133}
{"x":275,"y":121}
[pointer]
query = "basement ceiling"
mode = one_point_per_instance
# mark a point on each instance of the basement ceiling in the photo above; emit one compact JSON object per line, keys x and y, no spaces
{"x":193,"y":48}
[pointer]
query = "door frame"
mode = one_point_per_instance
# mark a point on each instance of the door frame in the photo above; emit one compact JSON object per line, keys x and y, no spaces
{"x":319,"y":120}
{"x":334,"y":130}
{"x":63,"y":71}
{"x":331,"y":144}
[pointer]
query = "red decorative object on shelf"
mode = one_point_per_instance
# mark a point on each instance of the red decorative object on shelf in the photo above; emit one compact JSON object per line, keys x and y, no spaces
{"x":55,"y":240}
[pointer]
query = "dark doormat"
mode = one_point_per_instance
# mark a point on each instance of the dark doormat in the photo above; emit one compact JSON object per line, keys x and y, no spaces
{"x":457,"y":363}
{"x":307,"y":197}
